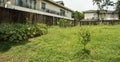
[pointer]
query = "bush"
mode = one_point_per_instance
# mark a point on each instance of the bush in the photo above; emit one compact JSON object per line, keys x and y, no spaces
{"x":19,"y":32}
{"x":64,"y":23}
{"x":85,"y":38}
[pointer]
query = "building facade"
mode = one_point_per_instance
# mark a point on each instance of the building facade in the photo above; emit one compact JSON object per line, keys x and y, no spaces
{"x":43,"y":11}
{"x":103,"y":15}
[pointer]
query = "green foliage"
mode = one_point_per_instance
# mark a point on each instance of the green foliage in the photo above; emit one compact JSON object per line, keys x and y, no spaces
{"x":61,"y":45}
{"x":84,"y":35}
{"x":64,"y":23}
{"x":118,"y":8}
{"x":78,"y":15}
{"x":19,"y":32}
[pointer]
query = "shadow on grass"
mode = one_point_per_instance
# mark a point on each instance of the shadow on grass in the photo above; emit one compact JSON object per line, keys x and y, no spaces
{"x":5,"y":46}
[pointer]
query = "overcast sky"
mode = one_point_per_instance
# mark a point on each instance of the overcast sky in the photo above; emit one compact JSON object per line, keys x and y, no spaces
{"x":79,"y":5}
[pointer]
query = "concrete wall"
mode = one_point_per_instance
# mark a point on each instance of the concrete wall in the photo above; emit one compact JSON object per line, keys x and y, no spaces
{"x":90,"y":16}
{"x":69,"y":14}
{"x":111,"y":17}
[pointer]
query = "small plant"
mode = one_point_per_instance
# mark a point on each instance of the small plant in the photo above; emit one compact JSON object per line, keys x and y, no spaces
{"x":85,"y":38}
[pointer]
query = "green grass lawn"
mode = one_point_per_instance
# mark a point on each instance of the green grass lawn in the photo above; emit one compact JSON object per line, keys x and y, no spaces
{"x":63,"y":45}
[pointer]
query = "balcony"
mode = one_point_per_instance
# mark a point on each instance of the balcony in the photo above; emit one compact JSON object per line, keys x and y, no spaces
{"x":52,"y":11}
{"x":48,"y":12}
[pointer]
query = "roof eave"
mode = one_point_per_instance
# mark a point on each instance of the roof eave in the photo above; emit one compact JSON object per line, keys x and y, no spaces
{"x":59,"y":5}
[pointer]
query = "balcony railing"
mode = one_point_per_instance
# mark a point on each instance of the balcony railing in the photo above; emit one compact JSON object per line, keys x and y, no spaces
{"x":52,"y":12}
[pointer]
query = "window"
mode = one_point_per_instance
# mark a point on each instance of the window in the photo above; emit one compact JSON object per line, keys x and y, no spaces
{"x":62,"y":12}
{"x":43,"y":6}
{"x":3,"y":1}
{"x":20,"y":3}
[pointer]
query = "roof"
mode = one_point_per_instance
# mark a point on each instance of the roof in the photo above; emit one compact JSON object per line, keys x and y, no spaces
{"x":101,"y":11}
{"x":53,"y":2}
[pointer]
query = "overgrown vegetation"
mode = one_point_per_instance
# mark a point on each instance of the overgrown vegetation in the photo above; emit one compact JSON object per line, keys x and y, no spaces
{"x":84,"y":37}
{"x":20,"y":32}
{"x":64,"y":23}
{"x":78,"y":16}
{"x":62,"y":45}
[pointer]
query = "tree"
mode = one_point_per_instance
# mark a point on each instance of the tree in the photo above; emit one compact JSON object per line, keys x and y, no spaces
{"x":98,"y":3}
{"x":101,"y":4}
{"x":77,"y":16}
{"x":111,"y":3}
{"x":107,"y":3}
{"x":118,"y":8}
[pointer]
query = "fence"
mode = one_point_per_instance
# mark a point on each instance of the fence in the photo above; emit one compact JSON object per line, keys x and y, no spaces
{"x":95,"y":22}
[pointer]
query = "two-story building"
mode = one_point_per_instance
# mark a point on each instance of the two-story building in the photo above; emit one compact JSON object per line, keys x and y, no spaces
{"x":95,"y":17}
{"x":102,"y":15}
{"x":43,"y":11}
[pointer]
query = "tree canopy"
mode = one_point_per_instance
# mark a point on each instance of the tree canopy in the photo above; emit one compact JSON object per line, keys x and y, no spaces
{"x":102,"y":4}
{"x":78,"y":15}
{"x":118,"y":7}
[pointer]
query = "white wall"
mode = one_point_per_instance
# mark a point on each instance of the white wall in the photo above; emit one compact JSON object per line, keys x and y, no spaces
{"x":110,"y":16}
{"x":90,"y":16}
{"x":68,"y":14}
{"x":56,"y":8}
{"x":51,"y":6}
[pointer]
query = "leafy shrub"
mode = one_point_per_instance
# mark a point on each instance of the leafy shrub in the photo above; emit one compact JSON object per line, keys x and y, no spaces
{"x":85,"y":38}
{"x":64,"y":23}
{"x":19,"y":32}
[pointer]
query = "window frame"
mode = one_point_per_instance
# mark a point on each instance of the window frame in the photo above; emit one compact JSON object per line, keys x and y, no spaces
{"x":62,"y":12}
{"x":43,"y":5}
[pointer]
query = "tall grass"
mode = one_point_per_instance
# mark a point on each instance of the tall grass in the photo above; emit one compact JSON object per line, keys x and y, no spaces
{"x":62,"y":45}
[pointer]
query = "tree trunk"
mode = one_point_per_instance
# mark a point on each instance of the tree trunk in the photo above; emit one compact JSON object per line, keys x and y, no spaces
{"x":119,"y":14}
{"x":98,"y":14}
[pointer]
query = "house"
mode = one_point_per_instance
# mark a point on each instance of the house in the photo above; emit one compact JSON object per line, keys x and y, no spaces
{"x":103,"y":15}
{"x":43,"y":11}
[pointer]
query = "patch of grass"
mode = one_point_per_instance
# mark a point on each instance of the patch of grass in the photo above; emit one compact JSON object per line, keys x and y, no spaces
{"x":62,"y":45}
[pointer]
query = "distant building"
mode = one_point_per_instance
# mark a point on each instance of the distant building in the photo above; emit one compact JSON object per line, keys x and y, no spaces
{"x":103,"y":15}
{"x":45,"y":11}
